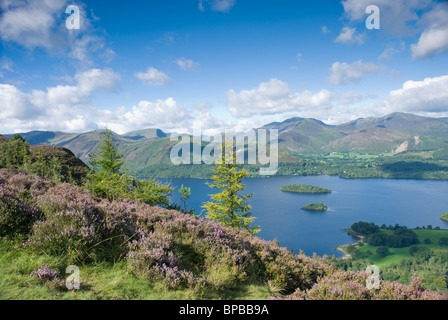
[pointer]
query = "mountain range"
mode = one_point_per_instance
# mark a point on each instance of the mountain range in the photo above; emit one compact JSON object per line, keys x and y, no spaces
{"x":396,"y":133}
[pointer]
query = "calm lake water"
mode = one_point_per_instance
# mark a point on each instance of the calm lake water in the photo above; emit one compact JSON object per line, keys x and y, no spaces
{"x":410,"y":203}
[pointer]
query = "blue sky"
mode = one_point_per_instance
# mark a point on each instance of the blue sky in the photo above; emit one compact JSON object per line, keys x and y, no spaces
{"x":231,"y":64}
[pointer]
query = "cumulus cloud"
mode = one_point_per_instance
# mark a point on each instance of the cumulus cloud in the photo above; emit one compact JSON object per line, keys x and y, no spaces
{"x":166,"y":114}
{"x":153,"y":77}
{"x":398,"y":17}
{"x":60,"y":107}
{"x":31,"y":24}
{"x":41,"y":24}
{"x":426,"y":97}
{"x":349,"y":35}
{"x":69,"y":108}
{"x":426,"y":18}
{"x":146,"y":114}
{"x":344,"y":73}
{"x":187,"y":64}
{"x":274,"y":97}
{"x":434,"y":39}
{"x":429,"y":95}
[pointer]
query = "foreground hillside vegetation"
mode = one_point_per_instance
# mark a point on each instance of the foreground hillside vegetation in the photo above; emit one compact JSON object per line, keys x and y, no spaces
{"x":127,"y":243}
{"x":130,"y":250}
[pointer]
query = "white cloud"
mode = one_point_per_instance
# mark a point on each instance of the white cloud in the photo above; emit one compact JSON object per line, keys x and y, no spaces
{"x":153,"y":77}
{"x":87,"y":83}
{"x":434,"y":38}
{"x":274,"y":97}
{"x":6,"y":64}
{"x":31,"y":24}
{"x":57,"y":108}
{"x":398,"y":17}
{"x":217,"y":5}
{"x":15,"y":104}
{"x":187,"y":64}
{"x":167,"y":114}
{"x":349,"y":98}
{"x":388,"y":54}
{"x":429,"y":95}
{"x":426,"y":97}
{"x":344,"y":73}
{"x":41,"y":24}
{"x":349,"y":35}
{"x":94,"y":79}
{"x":426,"y":18}
{"x":324,"y":30}
{"x":69,"y":108}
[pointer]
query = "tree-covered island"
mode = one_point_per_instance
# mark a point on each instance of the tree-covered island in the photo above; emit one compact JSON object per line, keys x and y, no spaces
{"x":303,"y":188}
{"x":318,"y":206}
{"x":444,"y":217}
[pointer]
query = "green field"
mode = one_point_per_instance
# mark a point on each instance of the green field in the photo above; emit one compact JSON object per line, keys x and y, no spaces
{"x":397,"y":254}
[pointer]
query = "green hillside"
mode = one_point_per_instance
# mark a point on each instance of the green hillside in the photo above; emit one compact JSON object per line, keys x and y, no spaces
{"x":370,"y":147}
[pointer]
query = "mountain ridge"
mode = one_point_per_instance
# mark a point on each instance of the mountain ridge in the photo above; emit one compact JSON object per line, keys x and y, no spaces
{"x":395,"y":133}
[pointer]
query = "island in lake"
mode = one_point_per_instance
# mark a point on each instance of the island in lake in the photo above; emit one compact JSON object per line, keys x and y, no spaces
{"x":303,"y":188}
{"x":444,"y":217}
{"x":318,"y":206}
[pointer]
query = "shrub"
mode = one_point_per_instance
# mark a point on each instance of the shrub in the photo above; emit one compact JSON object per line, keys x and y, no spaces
{"x":443,"y":242}
{"x":16,"y":217}
{"x":73,"y":225}
{"x":365,"y":228}
{"x":341,"y":285}
{"x":152,"y":257}
{"x":382,"y":251}
{"x":49,"y":277}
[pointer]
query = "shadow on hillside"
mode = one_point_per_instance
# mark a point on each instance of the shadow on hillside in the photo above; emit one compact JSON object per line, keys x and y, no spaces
{"x":414,"y":169}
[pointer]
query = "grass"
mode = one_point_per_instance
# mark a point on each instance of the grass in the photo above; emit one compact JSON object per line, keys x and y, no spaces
{"x":395,"y":255}
{"x":100,"y":281}
{"x":353,"y":155}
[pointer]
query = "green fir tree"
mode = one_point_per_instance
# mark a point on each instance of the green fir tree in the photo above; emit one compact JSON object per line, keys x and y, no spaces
{"x":229,"y":207}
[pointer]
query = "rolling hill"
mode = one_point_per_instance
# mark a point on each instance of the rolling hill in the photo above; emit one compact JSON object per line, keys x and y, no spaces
{"x":397,"y":133}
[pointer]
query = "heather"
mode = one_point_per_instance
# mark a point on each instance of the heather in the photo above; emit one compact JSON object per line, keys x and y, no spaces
{"x":127,"y":249}
{"x":49,"y":277}
{"x":351,"y":285}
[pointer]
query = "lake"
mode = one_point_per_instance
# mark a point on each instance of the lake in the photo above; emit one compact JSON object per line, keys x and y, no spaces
{"x":410,"y":203}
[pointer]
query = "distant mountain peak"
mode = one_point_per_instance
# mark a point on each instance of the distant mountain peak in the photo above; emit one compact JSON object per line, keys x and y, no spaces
{"x":151,"y":133}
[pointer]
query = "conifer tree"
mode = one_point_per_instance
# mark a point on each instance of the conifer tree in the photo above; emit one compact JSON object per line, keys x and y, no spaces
{"x":113,"y":182}
{"x":108,"y":158}
{"x":229,"y":207}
